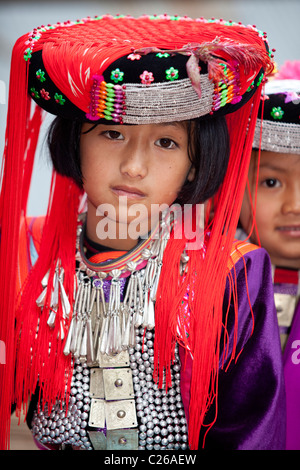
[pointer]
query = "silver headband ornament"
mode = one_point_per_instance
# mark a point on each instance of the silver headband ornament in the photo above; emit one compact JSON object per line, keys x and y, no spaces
{"x":278,"y":137}
{"x":197,"y":94}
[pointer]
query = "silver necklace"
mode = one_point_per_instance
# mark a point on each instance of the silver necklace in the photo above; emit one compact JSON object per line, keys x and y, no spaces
{"x":102,"y":325}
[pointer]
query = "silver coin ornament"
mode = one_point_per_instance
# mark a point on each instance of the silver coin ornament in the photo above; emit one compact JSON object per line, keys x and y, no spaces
{"x":160,"y":414}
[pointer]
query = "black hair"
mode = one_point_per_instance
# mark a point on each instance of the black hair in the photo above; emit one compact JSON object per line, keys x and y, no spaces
{"x":64,"y":146}
{"x":208,"y":151}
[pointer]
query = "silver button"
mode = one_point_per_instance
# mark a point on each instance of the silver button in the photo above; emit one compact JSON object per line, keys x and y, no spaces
{"x":121,"y":414}
{"x":118,"y":383}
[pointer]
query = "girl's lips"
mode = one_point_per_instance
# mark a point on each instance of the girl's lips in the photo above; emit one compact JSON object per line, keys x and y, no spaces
{"x":290,"y":230}
{"x":128,"y":191}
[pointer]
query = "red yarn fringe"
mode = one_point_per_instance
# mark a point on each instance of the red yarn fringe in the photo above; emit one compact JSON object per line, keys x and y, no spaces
{"x":40,"y":357}
{"x":205,"y":278}
{"x":11,"y":205}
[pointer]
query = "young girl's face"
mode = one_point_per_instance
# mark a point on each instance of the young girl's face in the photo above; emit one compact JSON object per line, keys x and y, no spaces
{"x":127,"y":168}
{"x":277,"y":208}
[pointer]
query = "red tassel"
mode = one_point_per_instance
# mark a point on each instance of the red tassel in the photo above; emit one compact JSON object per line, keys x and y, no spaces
{"x":10,"y":214}
{"x":205,"y":279}
{"x":35,"y":360}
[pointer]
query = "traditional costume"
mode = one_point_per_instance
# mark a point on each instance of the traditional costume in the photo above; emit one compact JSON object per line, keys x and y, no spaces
{"x":278,"y":130}
{"x":82,"y":329}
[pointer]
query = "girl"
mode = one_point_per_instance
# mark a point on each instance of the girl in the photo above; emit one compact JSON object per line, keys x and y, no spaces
{"x":278,"y":217}
{"x":155,"y":115}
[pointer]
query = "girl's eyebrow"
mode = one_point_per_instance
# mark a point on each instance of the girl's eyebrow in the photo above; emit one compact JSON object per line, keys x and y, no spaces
{"x":173,"y":124}
{"x":271,"y":166}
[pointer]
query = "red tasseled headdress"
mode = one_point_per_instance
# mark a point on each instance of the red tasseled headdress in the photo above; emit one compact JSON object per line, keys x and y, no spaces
{"x":75,"y":57}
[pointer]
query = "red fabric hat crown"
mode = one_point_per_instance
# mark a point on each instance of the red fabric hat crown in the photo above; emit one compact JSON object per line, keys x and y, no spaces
{"x":77,"y":67}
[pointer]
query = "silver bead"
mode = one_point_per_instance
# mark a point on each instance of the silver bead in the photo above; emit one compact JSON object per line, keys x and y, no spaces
{"x":156,"y":429}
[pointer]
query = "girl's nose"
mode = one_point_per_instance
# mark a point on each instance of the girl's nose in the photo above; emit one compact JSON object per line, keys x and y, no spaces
{"x":134,"y":162}
{"x":291,"y":202}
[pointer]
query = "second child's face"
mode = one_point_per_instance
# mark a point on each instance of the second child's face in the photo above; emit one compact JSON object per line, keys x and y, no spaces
{"x":125,"y":167}
{"x":277,"y":207}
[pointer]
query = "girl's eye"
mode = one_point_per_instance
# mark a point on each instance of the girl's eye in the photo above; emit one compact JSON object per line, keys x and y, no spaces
{"x":166,"y":143}
{"x":271,"y":183}
{"x":113,"y":135}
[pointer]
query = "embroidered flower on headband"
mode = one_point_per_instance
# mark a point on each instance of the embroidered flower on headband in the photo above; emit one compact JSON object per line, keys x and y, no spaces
{"x":172,"y":74}
{"x":292,"y":96}
{"x":162,"y":55}
{"x":277,"y":113}
{"x":40,"y":75}
{"x":34,"y":93}
{"x":146,"y":77}
{"x":134,"y":56}
{"x":27,"y":54}
{"x":117,"y":75}
{"x":45,"y":94}
{"x":59,"y":99}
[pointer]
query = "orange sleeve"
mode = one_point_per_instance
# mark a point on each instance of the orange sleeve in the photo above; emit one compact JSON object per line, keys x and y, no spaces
{"x":239,"y":248}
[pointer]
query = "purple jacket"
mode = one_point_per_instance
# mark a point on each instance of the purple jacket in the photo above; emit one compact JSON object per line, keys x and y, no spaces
{"x":251,"y":395}
{"x":291,"y":360}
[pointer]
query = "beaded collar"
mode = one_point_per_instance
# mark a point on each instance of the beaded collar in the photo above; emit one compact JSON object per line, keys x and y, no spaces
{"x":106,"y":325}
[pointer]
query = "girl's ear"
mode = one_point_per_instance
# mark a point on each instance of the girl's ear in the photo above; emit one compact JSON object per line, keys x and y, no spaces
{"x":191,"y":174}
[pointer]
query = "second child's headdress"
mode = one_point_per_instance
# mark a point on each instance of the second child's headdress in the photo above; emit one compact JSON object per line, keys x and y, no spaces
{"x":278,"y":123}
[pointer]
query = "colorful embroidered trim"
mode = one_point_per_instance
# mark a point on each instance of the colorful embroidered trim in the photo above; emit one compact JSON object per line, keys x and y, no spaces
{"x":227,"y":90}
{"x":107,"y":101}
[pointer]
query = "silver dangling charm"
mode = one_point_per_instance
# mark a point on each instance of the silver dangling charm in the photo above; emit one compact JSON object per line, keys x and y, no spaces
{"x":80,"y":324}
{"x":82,"y":343}
{"x":139,"y":301}
{"x":90,"y":352}
{"x":114,"y":332}
{"x":77,"y":308}
{"x":100,"y":308}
